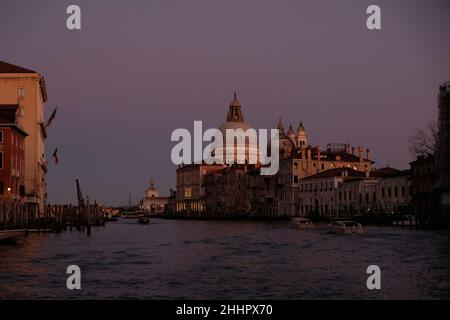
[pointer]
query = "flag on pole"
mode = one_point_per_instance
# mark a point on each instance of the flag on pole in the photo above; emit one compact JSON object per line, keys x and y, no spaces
{"x":52,"y":117}
{"x":55,"y":155}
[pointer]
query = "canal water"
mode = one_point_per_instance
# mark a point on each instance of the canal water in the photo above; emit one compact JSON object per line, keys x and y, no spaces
{"x":171,"y":259}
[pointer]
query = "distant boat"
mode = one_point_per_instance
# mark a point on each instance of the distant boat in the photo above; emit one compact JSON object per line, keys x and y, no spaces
{"x":406,"y":220}
{"x":302,"y":223}
{"x":346,"y":227}
{"x":12,"y":235}
{"x":132,"y":214}
{"x":144,"y":220}
{"x":40,"y":230}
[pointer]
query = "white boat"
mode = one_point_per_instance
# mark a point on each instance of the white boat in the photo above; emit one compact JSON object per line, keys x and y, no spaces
{"x":302,"y":223}
{"x":12,"y":234}
{"x":347,"y":227}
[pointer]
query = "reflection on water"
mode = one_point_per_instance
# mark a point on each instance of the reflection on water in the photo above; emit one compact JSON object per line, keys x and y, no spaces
{"x":227,"y":260}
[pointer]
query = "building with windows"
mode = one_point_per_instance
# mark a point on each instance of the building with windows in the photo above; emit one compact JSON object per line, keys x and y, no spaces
{"x":319,"y":195}
{"x":298,"y":160}
{"x":26,"y":89}
{"x":192,"y":197}
{"x":224,"y":190}
{"x":423,"y":178}
{"x":153,"y":203}
{"x":442,"y":185}
{"x":12,"y":167}
{"x":190,"y":193}
{"x":344,"y":192}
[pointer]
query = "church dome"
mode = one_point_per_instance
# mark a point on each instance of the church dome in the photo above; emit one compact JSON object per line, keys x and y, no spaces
{"x":235,"y":120}
{"x":234,"y":125}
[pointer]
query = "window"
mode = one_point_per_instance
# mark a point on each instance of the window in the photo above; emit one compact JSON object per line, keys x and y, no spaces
{"x":295,"y":179}
{"x":1,"y":159}
{"x":1,"y":187}
{"x":188,"y":192}
{"x":22,"y":190}
{"x":1,"y":136}
{"x":21,"y":92}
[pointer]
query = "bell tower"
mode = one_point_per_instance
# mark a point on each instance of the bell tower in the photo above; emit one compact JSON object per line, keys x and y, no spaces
{"x":301,"y":136}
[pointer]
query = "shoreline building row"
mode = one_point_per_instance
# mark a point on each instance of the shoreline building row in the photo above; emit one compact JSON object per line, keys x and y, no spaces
{"x":238,"y":190}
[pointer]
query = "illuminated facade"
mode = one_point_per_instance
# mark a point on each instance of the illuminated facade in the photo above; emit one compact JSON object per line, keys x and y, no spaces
{"x":239,"y":189}
{"x":26,"y":89}
{"x":152,"y":202}
{"x":298,"y":160}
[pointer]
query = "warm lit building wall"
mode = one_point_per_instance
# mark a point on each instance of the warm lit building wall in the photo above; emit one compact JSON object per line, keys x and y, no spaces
{"x":307,"y":162}
{"x":28,"y":91}
{"x":190,"y":187}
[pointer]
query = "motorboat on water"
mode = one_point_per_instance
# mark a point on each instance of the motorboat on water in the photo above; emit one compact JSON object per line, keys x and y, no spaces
{"x":133,"y":214}
{"x":345,"y":226}
{"x":302,"y":223}
{"x":144,"y":220}
{"x":406,"y":220}
{"x":12,"y":235}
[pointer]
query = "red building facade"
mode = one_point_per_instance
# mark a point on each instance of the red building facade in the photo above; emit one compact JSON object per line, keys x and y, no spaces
{"x":12,"y":156}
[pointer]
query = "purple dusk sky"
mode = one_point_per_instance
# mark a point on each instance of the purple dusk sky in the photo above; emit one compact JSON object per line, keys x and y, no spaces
{"x":139,"y":69}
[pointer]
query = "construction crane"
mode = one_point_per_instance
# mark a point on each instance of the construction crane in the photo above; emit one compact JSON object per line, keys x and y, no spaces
{"x":81,"y":202}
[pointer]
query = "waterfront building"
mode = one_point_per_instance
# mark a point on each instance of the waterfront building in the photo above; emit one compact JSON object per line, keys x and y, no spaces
{"x":192,"y":193}
{"x":26,"y":89}
{"x":171,"y":207}
{"x":226,"y":192}
{"x":190,"y":188}
{"x":442,"y":186}
{"x":423,"y":178}
{"x":12,"y":167}
{"x":393,"y":194}
{"x":348,"y":192}
{"x":385,"y":191}
{"x":262,"y":193}
{"x":239,"y":190}
{"x":318,"y":192}
{"x":152,"y":202}
{"x":299,"y":160}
